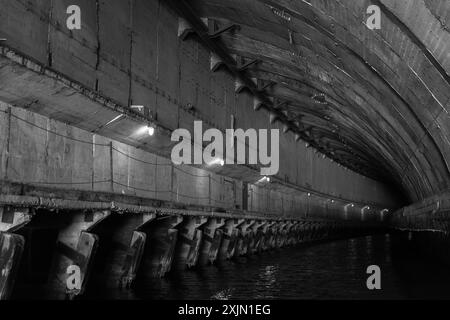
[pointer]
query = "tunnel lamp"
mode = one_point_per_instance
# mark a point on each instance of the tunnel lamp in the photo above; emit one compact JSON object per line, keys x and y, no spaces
{"x":362,"y":212}
{"x":151,"y":131}
{"x":309,"y":194}
{"x":382,"y":213}
{"x":263,"y":179}
{"x":217,"y":161}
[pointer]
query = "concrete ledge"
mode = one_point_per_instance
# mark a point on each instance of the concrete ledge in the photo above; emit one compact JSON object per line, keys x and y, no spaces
{"x":21,"y":195}
{"x":428,"y":215}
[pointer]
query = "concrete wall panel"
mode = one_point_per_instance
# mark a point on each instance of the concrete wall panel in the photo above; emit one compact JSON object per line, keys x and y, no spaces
{"x":26,"y":32}
{"x":4,"y":137}
{"x":28,"y":161}
{"x":78,"y":57}
{"x":115,"y":49}
{"x":101,"y":163}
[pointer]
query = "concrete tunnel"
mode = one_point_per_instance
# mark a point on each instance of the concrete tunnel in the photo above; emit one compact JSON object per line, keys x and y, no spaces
{"x":91,"y":92}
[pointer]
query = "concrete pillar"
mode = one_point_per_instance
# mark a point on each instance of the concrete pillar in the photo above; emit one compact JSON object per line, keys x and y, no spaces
{"x":11,"y":250}
{"x":292,"y":237}
{"x":211,"y":240}
{"x":306,"y":231}
{"x":257,"y":236}
{"x":326,"y":230}
{"x":188,"y":243}
{"x":314,"y":231}
{"x":120,"y":250}
{"x":261,"y":246}
{"x":321,"y":230}
{"x":11,"y":246}
{"x":332,"y":230}
{"x":275,"y":233}
{"x":76,"y":247}
{"x":244,"y":235}
{"x":280,"y":233}
{"x":161,"y":239}
{"x":230,"y":237}
{"x":287,"y":233}
{"x":296,"y":232}
{"x":301,"y":231}
{"x":14,"y":218}
{"x":271,"y":234}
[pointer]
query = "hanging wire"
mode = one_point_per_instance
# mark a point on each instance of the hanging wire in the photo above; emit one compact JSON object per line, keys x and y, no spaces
{"x":67,"y":183}
{"x":56,"y":133}
{"x":212,"y":177}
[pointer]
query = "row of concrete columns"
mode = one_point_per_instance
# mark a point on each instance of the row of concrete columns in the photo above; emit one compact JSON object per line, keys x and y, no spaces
{"x":107,"y":249}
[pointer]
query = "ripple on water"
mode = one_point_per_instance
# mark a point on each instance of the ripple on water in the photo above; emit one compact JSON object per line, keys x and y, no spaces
{"x":322,"y":271}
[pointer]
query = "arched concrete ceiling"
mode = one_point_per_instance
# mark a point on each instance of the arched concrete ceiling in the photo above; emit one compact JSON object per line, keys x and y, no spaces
{"x":376,"y":101}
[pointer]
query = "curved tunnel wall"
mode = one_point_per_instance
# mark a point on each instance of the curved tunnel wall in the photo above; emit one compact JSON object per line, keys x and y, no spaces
{"x":150,"y":67}
{"x":374,"y":102}
{"x":386,"y":89}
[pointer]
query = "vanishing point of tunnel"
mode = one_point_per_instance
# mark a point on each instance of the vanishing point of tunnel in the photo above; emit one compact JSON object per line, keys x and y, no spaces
{"x":210,"y":149}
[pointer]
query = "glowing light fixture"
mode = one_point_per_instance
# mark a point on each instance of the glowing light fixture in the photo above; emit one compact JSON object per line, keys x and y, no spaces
{"x":151,"y":131}
{"x":263,"y":179}
{"x":217,"y":161}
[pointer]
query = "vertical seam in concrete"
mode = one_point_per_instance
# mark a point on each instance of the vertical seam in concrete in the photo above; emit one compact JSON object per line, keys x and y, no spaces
{"x":131,"y":8}
{"x":209,"y":190}
{"x":8,"y":143}
{"x":47,"y":146}
{"x":178,"y":105}
{"x":179,"y":84}
{"x":157,"y":54}
{"x":97,"y":63}
{"x":129,"y":170}
{"x":49,"y":36}
{"x":171,"y":180}
{"x":93,"y":162}
{"x":156,"y":178}
{"x":111,"y":165}
{"x":157,"y":40}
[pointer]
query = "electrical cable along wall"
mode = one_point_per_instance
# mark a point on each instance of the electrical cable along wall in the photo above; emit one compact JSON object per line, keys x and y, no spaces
{"x":55,"y":162}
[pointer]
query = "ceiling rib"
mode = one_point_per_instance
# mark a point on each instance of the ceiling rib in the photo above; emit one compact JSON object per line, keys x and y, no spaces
{"x":196,"y":25}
